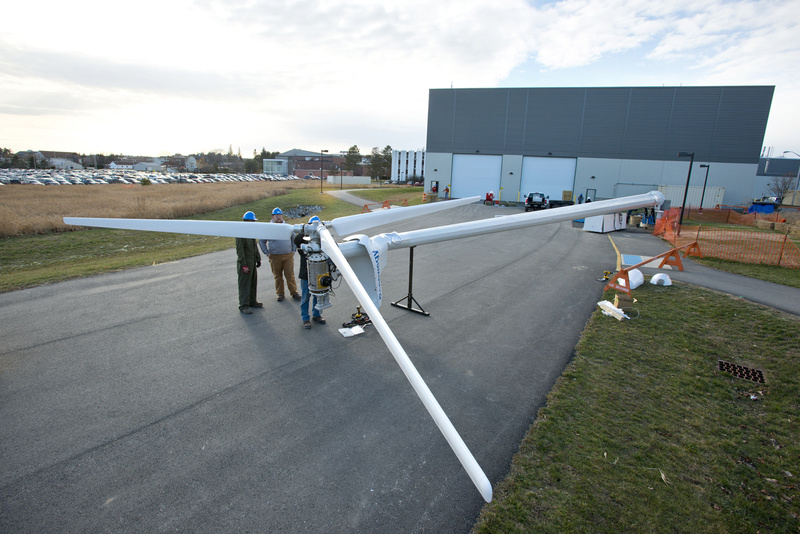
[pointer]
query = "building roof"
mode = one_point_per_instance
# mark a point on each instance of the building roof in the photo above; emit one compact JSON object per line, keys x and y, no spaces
{"x":298,"y":153}
{"x":57,"y":154}
{"x":778,"y":166}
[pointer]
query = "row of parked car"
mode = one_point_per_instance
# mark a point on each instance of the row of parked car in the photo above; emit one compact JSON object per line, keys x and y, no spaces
{"x":401,"y":182}
{"x":84,"y":177}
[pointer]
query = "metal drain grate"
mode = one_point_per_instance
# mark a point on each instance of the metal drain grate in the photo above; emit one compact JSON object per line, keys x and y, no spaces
{"x":755,"y":375}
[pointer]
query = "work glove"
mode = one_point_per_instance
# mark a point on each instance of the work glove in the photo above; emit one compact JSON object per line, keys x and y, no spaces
{"x":245,"y":269}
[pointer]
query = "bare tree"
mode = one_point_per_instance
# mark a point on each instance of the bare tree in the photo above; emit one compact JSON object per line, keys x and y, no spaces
{"x":779,"y":186}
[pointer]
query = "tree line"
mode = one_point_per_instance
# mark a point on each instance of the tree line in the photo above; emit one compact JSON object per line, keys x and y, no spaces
{"x":378,"y":163}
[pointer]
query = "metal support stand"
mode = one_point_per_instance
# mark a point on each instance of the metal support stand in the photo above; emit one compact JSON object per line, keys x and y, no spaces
{"x":410,"y":297}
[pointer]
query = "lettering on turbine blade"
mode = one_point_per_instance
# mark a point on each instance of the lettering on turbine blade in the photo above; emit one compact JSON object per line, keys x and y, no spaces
{"x":376,"y":259}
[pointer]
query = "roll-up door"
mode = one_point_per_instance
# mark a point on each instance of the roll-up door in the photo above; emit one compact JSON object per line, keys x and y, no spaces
{"x":551,"y":176}
{"x":475,"y":175}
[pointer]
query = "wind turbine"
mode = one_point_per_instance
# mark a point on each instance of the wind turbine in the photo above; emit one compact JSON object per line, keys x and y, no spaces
{"x":359,"y":259}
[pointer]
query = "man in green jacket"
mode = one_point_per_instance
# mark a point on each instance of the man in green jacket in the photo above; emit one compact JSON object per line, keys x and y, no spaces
{"x":248,"y":260}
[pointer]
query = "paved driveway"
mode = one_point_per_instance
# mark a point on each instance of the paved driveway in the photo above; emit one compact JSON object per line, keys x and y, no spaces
{"x":144,"y":401}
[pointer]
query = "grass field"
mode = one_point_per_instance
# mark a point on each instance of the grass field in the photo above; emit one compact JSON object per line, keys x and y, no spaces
{"x":26,"y":209}
{"x":643,"y":433}
{"x":412,"y":195}
{"x":37,"y":259}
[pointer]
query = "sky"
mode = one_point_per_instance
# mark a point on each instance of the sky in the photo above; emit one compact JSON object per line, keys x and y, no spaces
{"x":154,"y":78}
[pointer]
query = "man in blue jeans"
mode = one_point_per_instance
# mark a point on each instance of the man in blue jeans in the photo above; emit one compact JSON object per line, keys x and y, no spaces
{"x":299,"y":240}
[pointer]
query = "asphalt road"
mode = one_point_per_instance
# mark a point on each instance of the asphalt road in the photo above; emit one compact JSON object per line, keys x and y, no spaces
{"x":144,"y":401}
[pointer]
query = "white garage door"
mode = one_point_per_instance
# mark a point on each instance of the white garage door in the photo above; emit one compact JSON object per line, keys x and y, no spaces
{"x":550,"y":176}
{"x":475,"y":175}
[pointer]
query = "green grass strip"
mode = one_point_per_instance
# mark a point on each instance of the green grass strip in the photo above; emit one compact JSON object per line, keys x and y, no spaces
{"x":32,"y":260}
{"x":642,"y":433}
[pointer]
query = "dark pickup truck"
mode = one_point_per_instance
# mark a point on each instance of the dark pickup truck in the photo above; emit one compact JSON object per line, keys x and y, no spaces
{"x":538,"y":201}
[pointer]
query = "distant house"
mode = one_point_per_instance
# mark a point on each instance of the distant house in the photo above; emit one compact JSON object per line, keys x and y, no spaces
{"x":124,"y":164}
{"x":26,"y":155}
{"x":62,"y":160}
{"x":275,"y":166}
{"x":148,"y":166}
{"x":61,"y":163}
{"x":137,"y":164}
{"x":304,"y":162}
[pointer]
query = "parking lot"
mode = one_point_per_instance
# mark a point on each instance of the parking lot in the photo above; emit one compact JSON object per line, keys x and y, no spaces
{"x":106,"y":176}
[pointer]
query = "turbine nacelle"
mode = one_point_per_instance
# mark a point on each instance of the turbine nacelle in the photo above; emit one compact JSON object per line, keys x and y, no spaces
{"x":322,"y":272}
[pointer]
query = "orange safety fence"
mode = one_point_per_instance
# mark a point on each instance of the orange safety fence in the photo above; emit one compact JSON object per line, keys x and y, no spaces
{"x":731,"y":244}
{"x":724,"y":216}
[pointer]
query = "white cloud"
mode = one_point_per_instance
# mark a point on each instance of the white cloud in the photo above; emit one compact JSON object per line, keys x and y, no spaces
{"x":574,"y":33}
{"x":189,"y":75}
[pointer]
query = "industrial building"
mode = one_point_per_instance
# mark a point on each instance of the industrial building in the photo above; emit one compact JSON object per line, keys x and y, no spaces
{"x":602,"y":142}
{"x":408,"y":166}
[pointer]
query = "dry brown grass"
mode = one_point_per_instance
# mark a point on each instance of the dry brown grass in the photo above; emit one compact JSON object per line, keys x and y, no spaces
{"x":28,"y":209}
{"x":791,"y":216}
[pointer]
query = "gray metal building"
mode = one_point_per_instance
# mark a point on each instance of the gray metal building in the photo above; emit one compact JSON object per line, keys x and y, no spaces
{"x":601,"y":142}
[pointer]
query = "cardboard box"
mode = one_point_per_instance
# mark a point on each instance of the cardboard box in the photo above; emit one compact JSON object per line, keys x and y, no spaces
{"x":622,"y":301}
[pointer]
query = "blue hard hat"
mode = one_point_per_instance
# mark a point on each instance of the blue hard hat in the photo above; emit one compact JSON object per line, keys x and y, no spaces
{"x":249,"y":216}
{"x":313,"y":219}
{"x":277,"y":211}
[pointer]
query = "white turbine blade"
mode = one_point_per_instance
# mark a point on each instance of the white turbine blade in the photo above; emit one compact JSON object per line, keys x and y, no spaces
{"x":522,"y":220}
{"x":254,"y":230}
{"x":442,"y":421}
{"x":354,"y":223}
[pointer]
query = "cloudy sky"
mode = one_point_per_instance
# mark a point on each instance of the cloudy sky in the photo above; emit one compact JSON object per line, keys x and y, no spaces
{"x":184,"y":76}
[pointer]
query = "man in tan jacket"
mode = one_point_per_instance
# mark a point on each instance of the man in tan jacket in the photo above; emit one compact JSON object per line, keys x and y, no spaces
{"x":281,"y":258}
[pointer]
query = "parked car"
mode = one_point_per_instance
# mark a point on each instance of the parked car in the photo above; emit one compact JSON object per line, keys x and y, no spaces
{"x":536,"y":201}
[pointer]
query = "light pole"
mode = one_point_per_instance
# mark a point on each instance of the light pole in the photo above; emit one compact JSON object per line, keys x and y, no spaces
{"x":320,"y":169}
{"x":797,"y":183}
{"x":707,"y":167}
{"x":341,"y":179}
{"x":686,"y":190}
